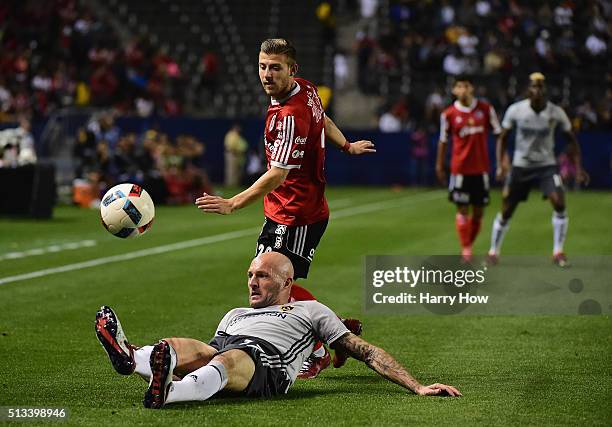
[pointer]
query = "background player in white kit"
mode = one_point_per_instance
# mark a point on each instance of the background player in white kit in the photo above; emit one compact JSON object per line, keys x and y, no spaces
{"x":535,"y":120}
{"x":256,"y":351}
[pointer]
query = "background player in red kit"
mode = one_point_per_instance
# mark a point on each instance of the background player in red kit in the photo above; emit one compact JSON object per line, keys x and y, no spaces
{"x":295,"y":207}
{"x":468,"y":121}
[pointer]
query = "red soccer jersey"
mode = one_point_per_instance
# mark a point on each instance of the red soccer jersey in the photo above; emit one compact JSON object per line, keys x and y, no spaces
{"x":295,"y":140}
{"x":469,"y":127}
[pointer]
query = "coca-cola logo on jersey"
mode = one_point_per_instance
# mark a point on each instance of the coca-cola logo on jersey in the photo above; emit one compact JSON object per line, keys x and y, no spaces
{"x":470,"y":130}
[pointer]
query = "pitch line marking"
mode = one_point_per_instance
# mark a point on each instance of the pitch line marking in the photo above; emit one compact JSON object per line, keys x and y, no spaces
{"x":343,"y":213}
{"x":48,"y":249}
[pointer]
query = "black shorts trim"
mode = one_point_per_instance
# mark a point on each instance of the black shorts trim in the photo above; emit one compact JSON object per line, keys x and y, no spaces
{"x":270,"y":377}
{"x":298,"y":243}
{"x":521,"y":180}
{"x":469,"y":189}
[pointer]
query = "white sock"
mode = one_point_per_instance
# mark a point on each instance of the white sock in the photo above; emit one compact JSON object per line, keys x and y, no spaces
{"x":497,"y":234}
{"x":143,"y":367}
{"x":320,"y":352}
{"x":559,"y":222}
{"x":199,"y":385}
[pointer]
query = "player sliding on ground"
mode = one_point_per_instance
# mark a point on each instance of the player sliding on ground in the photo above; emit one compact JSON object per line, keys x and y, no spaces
{"x":256,"y":351}
{"x":534,"y":164}
{"x":296,"y":213}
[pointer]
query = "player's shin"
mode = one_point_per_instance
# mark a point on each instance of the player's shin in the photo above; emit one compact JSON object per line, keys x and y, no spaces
{"x":142,"y":357}
{"x":201,"y":384}
{"x":500,"y":228}
{"x":463,"y":226}
{"x":560,"y":223}
{"x":475,"y":223}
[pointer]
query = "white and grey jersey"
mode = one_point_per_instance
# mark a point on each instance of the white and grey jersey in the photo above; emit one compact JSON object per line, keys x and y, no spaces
{"x":292,"y":328}
{"x":535,"y":132}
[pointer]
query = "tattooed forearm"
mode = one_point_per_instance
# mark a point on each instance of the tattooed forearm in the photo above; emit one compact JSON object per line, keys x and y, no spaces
{"x":377,"y":359}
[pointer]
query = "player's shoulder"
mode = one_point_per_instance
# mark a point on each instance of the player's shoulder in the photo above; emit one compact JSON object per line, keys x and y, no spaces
{"x":482,"y":104}
{"x":518,"y":106}
{"x":449,"y":110}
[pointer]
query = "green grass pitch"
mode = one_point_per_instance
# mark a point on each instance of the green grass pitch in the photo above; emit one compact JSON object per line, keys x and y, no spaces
{"x":534,"y":370}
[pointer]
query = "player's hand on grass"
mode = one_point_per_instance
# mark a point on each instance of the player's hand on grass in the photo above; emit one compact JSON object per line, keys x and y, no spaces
{"x":441,"y":174}
{"x":361,"y":147}
{"x":214,"y":204}
{"x":438,"y":390}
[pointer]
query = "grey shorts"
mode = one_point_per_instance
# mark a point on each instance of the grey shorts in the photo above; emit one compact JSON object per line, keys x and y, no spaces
{"x":521,"y":180}
{"x":269,"y":379}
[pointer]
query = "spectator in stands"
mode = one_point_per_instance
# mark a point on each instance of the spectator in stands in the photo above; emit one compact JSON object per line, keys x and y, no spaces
{"x":17,"y":145}
{"x":235,"y":150}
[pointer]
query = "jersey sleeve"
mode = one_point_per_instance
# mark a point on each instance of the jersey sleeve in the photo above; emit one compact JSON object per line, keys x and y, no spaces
{"x":564,"y":121}
{"x":509,"y":118}
{"x":327,"y":326}
{"x":444,"y":127}
{"x":289,"y":145}
{"x":494,"y":121}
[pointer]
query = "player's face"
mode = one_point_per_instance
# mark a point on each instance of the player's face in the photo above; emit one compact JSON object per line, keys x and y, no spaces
{"x":275,"y":74}
{"x":537,"y":90}
{"x":264,"y":286}
{"x":464,"y":91}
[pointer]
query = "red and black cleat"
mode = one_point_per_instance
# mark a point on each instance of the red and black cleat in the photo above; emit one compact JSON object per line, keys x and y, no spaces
{"x":355,"y":327}
{"x":313,"y":366}
{"x":560,"y":260}
{"x":163,"y":362}
{"x":111,"y":336}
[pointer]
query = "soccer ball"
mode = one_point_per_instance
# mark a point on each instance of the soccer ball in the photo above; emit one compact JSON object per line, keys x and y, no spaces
{"x":127,"y":210}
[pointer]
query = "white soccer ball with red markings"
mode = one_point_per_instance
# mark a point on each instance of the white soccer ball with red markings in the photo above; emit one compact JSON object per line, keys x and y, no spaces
{"x":127,"y":210}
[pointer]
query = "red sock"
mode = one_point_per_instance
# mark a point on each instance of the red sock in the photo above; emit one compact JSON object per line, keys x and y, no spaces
{"x":463,"y":226}
{"x":475,"y":228}
{"x":300,"y":294}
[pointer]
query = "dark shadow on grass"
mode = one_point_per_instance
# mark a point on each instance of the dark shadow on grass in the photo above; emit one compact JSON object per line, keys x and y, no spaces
{"x":230,"y":399}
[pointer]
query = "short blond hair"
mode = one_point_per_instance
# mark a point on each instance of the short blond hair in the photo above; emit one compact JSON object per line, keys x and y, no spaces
{"x":279,"y":47}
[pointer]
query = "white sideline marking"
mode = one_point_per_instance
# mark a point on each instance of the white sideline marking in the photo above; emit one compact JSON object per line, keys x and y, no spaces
{"x":343,"y":213}
{"x":48,"y":249}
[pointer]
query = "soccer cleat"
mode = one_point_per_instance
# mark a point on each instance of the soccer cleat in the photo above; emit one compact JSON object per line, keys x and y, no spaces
{"x":111,"y":336}
{"x":466,"y":255}
{"x":492,"y":259}
{"x":163,"y":362}
{"x":355,"y":327}
{"x":560,"y":260}
{"x":313,"y":366}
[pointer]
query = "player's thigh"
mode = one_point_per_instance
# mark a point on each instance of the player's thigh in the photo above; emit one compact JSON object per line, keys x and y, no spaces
{"x":551,"y":186}
{"x":240,"y":369}
{"x":191,"y":354}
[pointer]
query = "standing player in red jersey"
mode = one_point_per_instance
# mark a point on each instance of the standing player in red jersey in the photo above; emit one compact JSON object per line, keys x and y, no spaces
{"x":293,"y":187}
{"x":468,"y":121}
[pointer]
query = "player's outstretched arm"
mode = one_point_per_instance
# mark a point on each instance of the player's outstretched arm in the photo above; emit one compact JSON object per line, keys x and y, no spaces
{"x":269,"y":181}
{"x":383,"y":363}
{"x":336,"y":137}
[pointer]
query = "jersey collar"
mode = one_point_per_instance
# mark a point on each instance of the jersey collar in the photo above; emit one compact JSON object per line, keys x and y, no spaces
{"x":295,"y":90}
{"x":459,"y":106}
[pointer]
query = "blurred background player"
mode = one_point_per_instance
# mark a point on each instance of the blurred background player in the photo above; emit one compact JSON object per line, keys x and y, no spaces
{"x":534,"y":164}
{"x":293,"y":187}
{"x":467,"y":121}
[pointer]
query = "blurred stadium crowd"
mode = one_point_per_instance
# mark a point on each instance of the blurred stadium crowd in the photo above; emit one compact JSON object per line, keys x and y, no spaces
{"x":58,"y":53}
{"x":420,"y":44}
{"x":403,"y":53}
{"x":171,"y":170}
